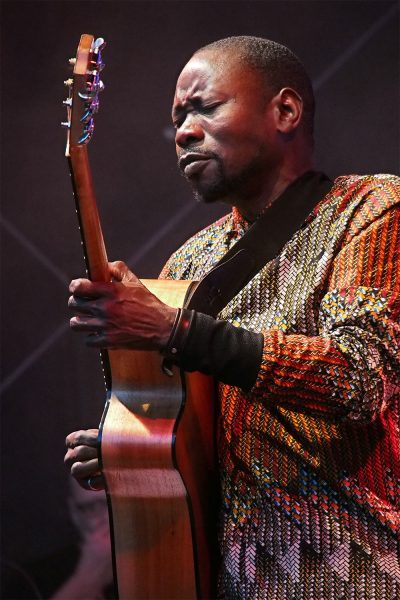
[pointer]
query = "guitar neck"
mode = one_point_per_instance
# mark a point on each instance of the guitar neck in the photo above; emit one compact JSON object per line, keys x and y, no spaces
{"x":88,"y":215}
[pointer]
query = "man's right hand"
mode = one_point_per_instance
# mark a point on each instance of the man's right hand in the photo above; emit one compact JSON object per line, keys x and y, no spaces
{"x":83,"y":460}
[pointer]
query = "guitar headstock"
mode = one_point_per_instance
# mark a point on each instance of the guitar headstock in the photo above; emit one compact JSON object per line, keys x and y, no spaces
{"x":84,"y":88}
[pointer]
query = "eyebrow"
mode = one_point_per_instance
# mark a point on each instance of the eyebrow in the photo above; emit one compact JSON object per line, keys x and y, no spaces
{"x":180,"y":108}
{"x":193,"y":100}
{"x":176,"y":113}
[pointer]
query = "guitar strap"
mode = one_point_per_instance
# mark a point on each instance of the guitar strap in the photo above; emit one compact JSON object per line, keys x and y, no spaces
{"x":261,"y":243}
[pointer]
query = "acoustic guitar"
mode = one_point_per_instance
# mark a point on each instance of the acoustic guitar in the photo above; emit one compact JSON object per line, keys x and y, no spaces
{"x":157,"y":438}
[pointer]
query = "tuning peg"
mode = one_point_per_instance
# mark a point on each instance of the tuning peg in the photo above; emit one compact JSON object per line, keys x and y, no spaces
{"x":94,"y":106}
{"x":66,"y":124}
{"x":67,"y":102}
{"x":87,"y":115}
{"x":85,"y":138}
{"x":92,"y":90}
{"x":98,"y":66}
{"x":96,"y":87}
{"x":99,"y":44}
{"x":87,"y":132}
{"x":72,"y":61}
{"x":87,"y":95}
{"x":68,"y":82}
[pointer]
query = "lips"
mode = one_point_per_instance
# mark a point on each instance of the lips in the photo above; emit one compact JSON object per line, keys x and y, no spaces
{"x":192,"y":161}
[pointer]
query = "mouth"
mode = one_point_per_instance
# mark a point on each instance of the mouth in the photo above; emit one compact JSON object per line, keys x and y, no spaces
{"x":192,"y":162}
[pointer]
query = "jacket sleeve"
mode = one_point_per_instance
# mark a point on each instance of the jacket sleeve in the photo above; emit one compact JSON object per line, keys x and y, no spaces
{"x":352,"y":368}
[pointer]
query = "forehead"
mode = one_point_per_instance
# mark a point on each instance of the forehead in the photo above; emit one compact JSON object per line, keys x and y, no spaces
{"x":213,"y":72}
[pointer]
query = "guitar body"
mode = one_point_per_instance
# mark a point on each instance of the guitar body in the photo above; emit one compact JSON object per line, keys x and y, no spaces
{"x":157,"y":435}
{"x":158,"y":459}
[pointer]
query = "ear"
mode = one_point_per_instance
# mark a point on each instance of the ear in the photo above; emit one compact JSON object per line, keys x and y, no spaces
{"x":288,"y":110}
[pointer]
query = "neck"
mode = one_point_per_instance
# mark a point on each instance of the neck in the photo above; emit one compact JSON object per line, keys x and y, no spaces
{"x":252,"y":206}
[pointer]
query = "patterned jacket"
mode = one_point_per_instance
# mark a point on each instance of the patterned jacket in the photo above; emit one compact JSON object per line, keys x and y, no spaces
{"x":310,"y":456}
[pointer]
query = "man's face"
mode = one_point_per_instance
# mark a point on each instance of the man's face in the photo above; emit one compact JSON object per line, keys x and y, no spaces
{"x":226,"y":140}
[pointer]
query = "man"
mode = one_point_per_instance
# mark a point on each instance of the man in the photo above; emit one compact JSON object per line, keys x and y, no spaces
{"x":89,"y":572}
{"x":79,"y":571}
{"x":306,"y":353}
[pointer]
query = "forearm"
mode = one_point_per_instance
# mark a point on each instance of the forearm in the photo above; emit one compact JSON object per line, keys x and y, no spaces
{"x":214,"y":347}
{"x":345,"y":371}
{"x":311,"y":374}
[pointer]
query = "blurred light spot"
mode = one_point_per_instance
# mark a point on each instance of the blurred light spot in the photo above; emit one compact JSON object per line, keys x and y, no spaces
{"x":169,"y":133}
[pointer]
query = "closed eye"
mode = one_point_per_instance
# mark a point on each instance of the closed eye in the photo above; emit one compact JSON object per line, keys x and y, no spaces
{"x":209,"y":108}
{"x":177,"y":122}
{"x":197,"y":108}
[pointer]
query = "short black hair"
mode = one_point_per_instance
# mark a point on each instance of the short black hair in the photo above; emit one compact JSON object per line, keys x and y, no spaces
{"x":279,"y":65}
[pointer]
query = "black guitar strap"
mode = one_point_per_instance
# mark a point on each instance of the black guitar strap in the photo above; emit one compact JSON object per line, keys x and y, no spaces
{"x":261,"y":243}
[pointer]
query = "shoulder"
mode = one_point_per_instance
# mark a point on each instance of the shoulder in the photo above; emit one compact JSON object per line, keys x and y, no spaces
{"x":360,"y":200}
{"x":193,"y":256}
{"x":377,"y":191}
{"x":382,"y":186}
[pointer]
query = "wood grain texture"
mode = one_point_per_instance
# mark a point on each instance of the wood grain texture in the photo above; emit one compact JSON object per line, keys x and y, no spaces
{"x":158,"y":458}
{"x":89,"y":220}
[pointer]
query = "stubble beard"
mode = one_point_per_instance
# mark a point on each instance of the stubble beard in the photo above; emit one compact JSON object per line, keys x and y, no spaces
{"x":213,"y":191}
{"x":227,"y":189}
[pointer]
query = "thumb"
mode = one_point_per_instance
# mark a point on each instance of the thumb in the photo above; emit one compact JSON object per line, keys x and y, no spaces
{"x":120,"y":272}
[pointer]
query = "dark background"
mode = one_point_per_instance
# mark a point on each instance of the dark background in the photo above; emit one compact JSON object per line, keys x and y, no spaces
{"x":51,"y":383}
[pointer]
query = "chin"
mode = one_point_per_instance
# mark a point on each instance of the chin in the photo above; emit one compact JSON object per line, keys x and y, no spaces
{"x":204,"y":198}
{"x":211,"y":193}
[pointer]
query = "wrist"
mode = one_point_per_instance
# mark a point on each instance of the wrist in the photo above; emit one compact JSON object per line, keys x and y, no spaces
{"x":170,"y":316}
{"x":178,"y":334}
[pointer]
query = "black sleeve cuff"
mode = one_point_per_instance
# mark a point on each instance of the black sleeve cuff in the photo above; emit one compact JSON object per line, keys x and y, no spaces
{"x":201,"y":343}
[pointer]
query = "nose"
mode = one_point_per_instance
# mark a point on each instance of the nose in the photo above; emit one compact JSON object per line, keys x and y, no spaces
{"x":189,"y":132}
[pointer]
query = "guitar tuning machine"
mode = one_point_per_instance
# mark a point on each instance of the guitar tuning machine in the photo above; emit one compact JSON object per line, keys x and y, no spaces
{"x":98,"y":45}
{"x":66,"y":124}
{"x":67,"y":102}
{"x":72,"y":61}
{"x":92,"y":90}
{"x":97,"y":66}
{"x":87,"y":132}
{"x":68,"y":82}
{"x":91,"y":107}
{"x":94,"y":106}
{"x":88,"y":95}
{"x":87,"y":115}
